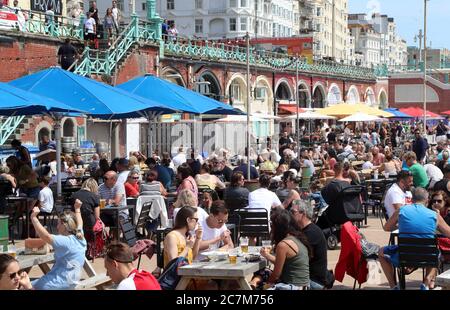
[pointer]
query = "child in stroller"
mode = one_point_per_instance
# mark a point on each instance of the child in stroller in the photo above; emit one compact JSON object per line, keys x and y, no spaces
{"x":331,"y":232}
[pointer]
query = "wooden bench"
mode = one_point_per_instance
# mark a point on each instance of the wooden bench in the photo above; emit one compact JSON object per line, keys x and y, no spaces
{"x":98,"y":282}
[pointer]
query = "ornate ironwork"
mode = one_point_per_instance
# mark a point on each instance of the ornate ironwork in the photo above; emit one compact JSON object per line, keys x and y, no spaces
{"x":8,"y":126}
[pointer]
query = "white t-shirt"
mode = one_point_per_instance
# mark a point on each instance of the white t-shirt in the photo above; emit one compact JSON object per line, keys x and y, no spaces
{"x":367,"y":165}
{"x":179,"y":159}
{"x":434,"y":173}
{"x":46,"y":200}
{"x":115,"y":14}
{"x":211,"y":233}
{"x":395,"y":195}
{"x":89,"y":25}
{"x":122,"y":177}
{"x":263,"y":198}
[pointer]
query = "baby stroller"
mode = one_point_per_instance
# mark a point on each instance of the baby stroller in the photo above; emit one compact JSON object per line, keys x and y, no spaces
{"x":346,"y":206}
{"x":332,"y":232}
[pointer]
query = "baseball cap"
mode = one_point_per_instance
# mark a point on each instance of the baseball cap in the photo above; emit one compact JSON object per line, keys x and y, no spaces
{"x":123,"y":162}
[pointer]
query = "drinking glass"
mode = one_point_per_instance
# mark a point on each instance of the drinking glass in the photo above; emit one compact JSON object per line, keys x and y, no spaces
{"x":102,"y":203}
{"x":232,"y":256}
{"x":267,"y":244}
{"x":243,"y":241}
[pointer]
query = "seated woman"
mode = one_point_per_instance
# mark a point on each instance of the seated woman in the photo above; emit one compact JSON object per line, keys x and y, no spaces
{"x":205,"y":179}
{"x":90,"y":210}
{"x":440,"y":202}
{"x":266,"y":166}
{"x":236,"y":196}
{"x":187,"y":198}
{"x":283,"y":190}
{"x":10,"y":276}
{"x":206,"y":201}
{"x":351,"y":174}
{"x":291,"y":261}
{"x":132,"y":184}
{"x":179,"y":243}
{"x":69,"y":247}
{"x":152,"y":186}
{"x":26,"y":178}
{"x":390,"y":166}
{"x":292,"y":183}
{"x":186,"y":181}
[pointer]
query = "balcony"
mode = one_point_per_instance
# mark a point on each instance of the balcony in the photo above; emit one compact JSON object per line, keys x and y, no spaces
{"x":217,"y":11}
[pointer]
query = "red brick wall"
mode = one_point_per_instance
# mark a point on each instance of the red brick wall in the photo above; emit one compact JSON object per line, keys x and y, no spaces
{"x":137,"y":64}
{"x":436,"y":107}
{"x":25,"y":56}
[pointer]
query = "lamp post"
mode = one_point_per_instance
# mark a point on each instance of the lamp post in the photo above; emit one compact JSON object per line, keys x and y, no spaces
{"x":247,"y":37}
{"x":425,"y":67}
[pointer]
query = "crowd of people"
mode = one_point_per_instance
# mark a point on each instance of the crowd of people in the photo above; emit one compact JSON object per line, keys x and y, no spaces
{"x":206,"y":192}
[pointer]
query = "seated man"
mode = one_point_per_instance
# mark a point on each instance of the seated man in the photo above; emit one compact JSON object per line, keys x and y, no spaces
{"x":303,"y":214}
{"x":412,"y":218}
{"x":399,"y":193}
{"x":243,"y":168}
{"x":262,"y":197}
{"x":114,"y":194}
{"x":215,"y":232}
{"x":119,"y":266}
{"x":419,"y":174}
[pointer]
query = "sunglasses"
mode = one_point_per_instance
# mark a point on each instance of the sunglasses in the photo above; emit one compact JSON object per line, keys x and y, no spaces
{"x":135,"y":178}
{"x":194,"y":218}
{"x":221,"y":221}
{"x":437,"y":201}
{"x":13,"y":275}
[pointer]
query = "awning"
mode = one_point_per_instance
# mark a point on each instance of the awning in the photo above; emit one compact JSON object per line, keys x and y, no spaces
{"x":290,"y":108}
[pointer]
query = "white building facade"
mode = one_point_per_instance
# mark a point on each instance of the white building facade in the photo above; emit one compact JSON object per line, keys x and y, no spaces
{"x":219,"y":19}
{"x":376,"y":39}
{"x":326,"y":20}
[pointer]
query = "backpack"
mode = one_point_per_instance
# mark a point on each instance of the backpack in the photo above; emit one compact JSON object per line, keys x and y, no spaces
{"x":170,"y":278}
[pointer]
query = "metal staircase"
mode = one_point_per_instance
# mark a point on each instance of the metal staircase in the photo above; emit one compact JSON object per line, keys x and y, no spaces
{"x":106,"y":62}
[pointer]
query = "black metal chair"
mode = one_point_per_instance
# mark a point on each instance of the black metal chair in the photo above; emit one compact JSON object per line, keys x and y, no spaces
{"x":234,"y":222}
{"x":254,"y":222}
{"x":130,"y":238}
{"x":416,"y":253}
{"x":352,"y":203}
{"x":144,"y":216}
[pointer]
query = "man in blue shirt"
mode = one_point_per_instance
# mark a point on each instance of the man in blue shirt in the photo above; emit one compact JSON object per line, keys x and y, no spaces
{"x":243,"y":167}
{"x":164,"y":175}
{"x":413,"y":218}
{"x":46,"y":144}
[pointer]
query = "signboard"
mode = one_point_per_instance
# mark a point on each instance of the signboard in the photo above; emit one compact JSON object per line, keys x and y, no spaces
{"x":42,"y":6}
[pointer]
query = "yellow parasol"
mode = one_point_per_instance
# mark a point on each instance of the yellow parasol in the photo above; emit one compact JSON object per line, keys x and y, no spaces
{"x":346,"y":109}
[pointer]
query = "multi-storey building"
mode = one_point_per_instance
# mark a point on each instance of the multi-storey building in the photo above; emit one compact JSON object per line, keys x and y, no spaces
{"x":327,"y":21}
{"x":218,"y":19}
{"x":377,"y":40}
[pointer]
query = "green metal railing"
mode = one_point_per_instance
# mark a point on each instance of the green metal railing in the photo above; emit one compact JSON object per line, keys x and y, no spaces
{"x":105,"y":62}
{"x":55,"y":26}
{"x":8,"y":126}
{"x":204,"y":50}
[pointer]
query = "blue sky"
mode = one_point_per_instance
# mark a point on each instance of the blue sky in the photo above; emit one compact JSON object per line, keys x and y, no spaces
{"x":408,"y":16}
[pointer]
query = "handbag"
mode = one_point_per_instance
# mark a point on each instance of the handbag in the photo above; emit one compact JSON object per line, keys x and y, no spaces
{"x":170,"y":278}
{"x":36,"y":246}
{"x":96,"y":247}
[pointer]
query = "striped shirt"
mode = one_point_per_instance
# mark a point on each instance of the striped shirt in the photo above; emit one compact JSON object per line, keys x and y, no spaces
{"x":110,"y":193}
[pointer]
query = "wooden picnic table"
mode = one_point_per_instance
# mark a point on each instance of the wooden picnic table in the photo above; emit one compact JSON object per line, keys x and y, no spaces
{"x":221,"y":270}
{"x":27,"y":262}
{"x":443,"y":280}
